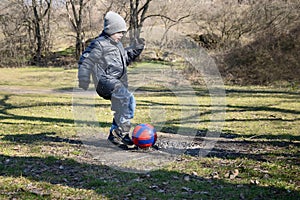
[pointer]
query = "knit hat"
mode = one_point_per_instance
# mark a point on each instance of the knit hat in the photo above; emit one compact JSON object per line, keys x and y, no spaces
{"x":114,"y":23}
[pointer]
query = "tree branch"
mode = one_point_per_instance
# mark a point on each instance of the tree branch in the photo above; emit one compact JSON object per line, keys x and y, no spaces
{"x":145,"y":6}
{"x":166,"y":17}
{"x":144,"y":9}
{"x":47,"y":9}
{"x":69,"y":15}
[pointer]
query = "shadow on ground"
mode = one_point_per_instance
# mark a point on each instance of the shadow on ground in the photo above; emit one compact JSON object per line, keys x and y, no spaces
{"x":160,"y":184}
{"x":157,"y":184}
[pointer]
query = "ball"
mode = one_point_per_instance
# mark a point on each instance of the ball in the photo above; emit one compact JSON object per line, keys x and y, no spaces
{"x":144,"y":135}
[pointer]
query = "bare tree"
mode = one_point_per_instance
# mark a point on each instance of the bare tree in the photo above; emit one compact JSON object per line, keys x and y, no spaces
{"x":138,"y":12}
{"x":41,"y":25}
{"x":171,"y":18}
{"x":233,"y":22}
{"x":11,"y":28}
{"x":75,"y":11}
{"x":26,"y":29}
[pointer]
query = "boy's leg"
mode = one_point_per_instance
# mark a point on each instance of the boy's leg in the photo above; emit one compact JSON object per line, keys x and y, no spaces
{"x":113,"y":126}
{"x":123,"y":105}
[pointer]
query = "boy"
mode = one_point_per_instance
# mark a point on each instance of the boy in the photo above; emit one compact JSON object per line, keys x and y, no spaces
{"x":106,"y":60}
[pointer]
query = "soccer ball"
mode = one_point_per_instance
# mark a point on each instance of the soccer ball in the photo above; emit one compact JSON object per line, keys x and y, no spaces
{"x":144,"y":135}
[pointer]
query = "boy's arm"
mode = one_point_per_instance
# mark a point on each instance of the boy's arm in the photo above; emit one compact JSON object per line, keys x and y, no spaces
{"x":135,"y":50}
{"x":87,"y":61}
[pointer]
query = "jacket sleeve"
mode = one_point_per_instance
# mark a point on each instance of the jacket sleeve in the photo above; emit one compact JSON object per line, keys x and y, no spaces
{"x":89,"y":58}
{"x":133,"y":52}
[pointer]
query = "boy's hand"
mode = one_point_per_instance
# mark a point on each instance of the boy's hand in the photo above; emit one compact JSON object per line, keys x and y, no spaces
{"x":139,"y":43}
{"x":84,"y":84}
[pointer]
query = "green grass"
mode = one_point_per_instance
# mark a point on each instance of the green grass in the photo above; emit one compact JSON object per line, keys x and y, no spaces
{"x":38,"y":78}
{"x":41,"y":156}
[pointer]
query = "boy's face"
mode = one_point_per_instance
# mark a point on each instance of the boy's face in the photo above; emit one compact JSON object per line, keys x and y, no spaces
{"x":117,"y":36}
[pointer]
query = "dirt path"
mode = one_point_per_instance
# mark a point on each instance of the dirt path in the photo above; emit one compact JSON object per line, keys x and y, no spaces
{"x":24,"y":90}
{"x":225,"y":146}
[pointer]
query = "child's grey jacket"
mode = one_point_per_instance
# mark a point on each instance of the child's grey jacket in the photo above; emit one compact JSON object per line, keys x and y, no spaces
{"x":107,"y":61}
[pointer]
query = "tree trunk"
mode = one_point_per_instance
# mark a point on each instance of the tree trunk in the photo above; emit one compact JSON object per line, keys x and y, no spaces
{"x":76,"y":21}
{"x":39,"y":38}
{"x":137,"y":18}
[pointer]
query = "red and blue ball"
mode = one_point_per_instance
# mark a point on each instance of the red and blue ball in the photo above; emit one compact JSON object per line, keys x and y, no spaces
{"x":144,"y":135}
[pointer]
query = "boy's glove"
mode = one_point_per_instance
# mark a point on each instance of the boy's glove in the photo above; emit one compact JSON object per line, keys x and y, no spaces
{"x":84,"y":84}
{"x":139,"y":43}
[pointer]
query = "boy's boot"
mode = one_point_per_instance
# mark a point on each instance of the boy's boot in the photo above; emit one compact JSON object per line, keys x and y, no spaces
{"x":122,"y":137}
{"x":122,"y":133}
{"x":113,"y":137}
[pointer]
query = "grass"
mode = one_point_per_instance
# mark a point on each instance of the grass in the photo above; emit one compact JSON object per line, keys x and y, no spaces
{"x":42,"y":156}
{"x":38,"y":78}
